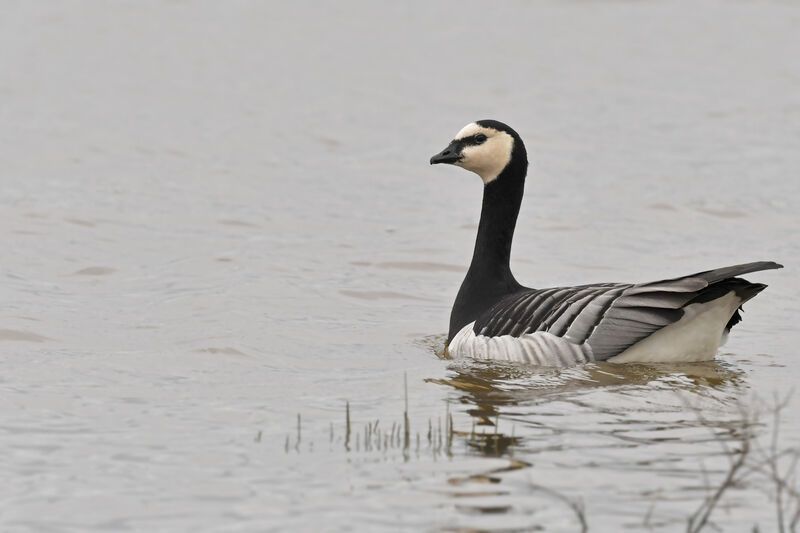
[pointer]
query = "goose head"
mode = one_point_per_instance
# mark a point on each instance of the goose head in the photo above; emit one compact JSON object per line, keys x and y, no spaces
{"x":485,"y":147}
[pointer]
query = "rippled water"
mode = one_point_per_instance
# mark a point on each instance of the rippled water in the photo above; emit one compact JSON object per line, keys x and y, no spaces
{"x":222,"y":241}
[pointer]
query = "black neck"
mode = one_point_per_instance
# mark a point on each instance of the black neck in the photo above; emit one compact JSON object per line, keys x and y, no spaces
{"x":489,"y":277}
{"x":492,"y":254}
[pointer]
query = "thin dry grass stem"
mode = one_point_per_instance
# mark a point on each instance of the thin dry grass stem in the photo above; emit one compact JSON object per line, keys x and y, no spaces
{"x":297,"y":444}
{"x":376,"y":439}
{"x":439,"y":434}
{"x":406,"y":423}
{"x":347,"y":426}
{"x":448,"y":431}
{"x":450,"y":435}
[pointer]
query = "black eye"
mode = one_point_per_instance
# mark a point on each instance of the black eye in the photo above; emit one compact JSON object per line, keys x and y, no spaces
{"x":480,"y":138}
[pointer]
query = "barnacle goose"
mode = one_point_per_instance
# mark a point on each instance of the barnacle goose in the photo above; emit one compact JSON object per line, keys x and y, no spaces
{"x":494,"y":317}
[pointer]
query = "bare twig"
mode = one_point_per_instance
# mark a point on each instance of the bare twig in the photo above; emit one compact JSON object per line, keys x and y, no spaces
{"x":752,"y":459}
{"x":779,"y":487}
{"x":576,"y":505}
{"x":769,"y":466}
{"x":700,"y":518}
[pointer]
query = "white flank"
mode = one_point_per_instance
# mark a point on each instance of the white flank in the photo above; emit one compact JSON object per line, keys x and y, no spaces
{"x":539,"y":348}
{"x":695,"y":337}
{"x":487,"y":160}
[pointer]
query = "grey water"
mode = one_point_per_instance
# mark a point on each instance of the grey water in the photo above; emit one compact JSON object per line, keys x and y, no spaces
{"x":227,"y":267}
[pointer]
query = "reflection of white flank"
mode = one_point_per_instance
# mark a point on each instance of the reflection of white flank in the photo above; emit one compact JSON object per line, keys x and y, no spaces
{"x":695,"y":337}
{"x":539,"y":348}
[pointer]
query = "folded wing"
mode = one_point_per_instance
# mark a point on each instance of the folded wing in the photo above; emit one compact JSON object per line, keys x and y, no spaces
{"x":610,"y":317}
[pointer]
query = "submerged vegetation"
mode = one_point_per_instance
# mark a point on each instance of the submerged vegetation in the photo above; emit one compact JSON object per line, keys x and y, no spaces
{"x":749,"y":441}
{"x":767,"y":466}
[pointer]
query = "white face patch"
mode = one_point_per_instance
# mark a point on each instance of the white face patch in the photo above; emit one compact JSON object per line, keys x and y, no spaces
{"x":487,"y":160}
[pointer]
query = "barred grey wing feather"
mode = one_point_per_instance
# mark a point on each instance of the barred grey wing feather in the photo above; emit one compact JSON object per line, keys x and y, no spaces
{"x":558,"y":322}
{"x":589,"y":318}
{"x":554,"y":310}
{"x":659,"y":299}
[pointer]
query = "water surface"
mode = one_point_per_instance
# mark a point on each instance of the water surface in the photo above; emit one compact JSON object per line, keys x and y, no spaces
{"x":219,"y":217}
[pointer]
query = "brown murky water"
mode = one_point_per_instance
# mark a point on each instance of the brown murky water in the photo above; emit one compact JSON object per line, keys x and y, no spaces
{"x":217,"y":217}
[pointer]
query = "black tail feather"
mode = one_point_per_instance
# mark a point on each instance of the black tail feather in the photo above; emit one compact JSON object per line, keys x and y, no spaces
{"x":735,"y":319}
{"x":741,"y":287}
